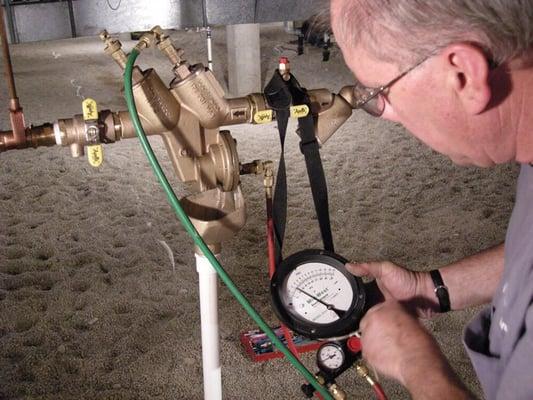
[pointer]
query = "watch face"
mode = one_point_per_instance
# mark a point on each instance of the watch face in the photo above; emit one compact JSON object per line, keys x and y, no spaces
{"x":330,"y":356}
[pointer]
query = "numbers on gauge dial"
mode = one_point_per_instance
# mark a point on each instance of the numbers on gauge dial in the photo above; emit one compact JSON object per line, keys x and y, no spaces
{"x":331,"y":356}
{"x":318,"y":293}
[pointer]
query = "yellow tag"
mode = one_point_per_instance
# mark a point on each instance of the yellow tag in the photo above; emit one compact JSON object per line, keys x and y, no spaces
{"x":299,"y":111}
{"x":90,"y":111}
{"x":263,"y":117}
{"x":95,"y":154}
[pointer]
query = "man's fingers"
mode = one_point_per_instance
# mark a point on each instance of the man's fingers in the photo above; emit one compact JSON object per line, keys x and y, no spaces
{"x":367,"y":318}
{"x":357,"y":269}
{"x":374,"y":269}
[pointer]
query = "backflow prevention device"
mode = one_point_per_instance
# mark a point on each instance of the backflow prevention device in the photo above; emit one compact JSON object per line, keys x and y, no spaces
{"x":312,"y":292}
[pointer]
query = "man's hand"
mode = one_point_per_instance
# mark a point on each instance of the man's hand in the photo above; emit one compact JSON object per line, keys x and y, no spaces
{"x":397,"y":345}
{"x":416,"y":290}
{"x":392,"y":339}
{"x":413,"y":289}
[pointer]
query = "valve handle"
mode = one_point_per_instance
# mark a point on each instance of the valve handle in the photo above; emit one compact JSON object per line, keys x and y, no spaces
{"x":95,"y":153}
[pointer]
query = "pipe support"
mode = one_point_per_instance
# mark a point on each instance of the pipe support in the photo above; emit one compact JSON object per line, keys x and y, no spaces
{"x":208,"y":292}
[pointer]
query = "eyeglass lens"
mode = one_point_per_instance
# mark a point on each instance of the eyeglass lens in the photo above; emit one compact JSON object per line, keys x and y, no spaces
{"x":375,"y":105}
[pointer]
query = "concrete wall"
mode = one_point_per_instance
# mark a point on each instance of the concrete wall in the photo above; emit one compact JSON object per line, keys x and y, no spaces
{"x":92,"y":16}
{"x":46,"y":21}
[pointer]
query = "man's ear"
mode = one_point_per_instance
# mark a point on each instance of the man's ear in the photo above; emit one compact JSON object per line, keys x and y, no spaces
{"x":468,"y":73}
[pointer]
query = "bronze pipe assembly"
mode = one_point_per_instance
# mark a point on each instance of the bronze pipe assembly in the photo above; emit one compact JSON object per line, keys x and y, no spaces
{"x":188,"y":115}
{"x":17,"y":137}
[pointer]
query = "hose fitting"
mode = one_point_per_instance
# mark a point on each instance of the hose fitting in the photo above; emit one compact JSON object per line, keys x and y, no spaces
{"x":337,"y":392}
{"x":268,"y":178}
{"x":146,"y":40}
{"x":363,"y":371}
{"x":265,"y":168}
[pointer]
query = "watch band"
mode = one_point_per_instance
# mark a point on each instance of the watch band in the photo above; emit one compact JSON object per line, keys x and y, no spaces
{"x":441,"y":291}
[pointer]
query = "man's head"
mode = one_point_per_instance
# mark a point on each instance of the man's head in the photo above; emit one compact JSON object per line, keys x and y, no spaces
{"x":468,"y":63}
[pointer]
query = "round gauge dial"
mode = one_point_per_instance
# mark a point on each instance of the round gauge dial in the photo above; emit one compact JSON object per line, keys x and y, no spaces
{"x":314,"y":295}
{"x":330,"y":356}
{"x":318,"y":293}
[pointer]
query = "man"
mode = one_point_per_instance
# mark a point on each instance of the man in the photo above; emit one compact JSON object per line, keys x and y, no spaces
{"x":458,"y":74}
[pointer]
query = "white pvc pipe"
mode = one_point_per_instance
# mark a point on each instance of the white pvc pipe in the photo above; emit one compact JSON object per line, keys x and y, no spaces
{"x":209,"y":50}
{"x":208,"y":283}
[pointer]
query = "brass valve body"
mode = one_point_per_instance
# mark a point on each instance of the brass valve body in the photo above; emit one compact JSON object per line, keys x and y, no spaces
{"x":188,"y":116}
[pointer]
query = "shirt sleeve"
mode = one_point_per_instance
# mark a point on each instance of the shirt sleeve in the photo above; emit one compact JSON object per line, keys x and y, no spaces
{"x":517,"y":377}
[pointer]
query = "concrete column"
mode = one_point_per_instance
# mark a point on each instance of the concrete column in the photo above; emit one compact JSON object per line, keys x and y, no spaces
{"x":244,"y":59}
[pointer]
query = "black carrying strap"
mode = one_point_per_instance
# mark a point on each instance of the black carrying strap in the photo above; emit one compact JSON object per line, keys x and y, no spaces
{"x":280,"y":95}
{"x":279,"y":99}
{"x":310,"y":148}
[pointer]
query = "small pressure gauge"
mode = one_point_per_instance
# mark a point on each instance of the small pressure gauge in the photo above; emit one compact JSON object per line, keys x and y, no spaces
{"x":330,"y":357}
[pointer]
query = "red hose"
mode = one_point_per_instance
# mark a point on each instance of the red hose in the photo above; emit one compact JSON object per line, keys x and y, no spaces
{"x":378,"y":390}
{"x":272,"y":268}
{"x":270,"y":238}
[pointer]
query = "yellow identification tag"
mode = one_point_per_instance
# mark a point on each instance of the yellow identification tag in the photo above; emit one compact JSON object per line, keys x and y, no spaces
{"x":90,"y":111}
{"x":95,"y":154}
{"x":263,"y":117}
{"x":299,"y":111}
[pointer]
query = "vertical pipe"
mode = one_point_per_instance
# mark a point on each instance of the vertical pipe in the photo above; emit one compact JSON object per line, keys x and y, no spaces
{"x":209,"y":50}
{"x":208,"y":284}
{"x":72,"y":20}
{"x":11,"y":22}
{"x":8,"y":68}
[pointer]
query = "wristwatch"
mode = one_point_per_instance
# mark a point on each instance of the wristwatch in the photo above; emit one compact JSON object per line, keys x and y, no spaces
{"x":441,"y":290}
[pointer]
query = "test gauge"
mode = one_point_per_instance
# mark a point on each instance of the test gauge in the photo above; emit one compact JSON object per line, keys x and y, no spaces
{"x":314,"y":295}
{"x":330,"y":357}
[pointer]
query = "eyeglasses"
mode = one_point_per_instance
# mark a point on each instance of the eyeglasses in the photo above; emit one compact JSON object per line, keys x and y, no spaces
{"x":372,"y":100}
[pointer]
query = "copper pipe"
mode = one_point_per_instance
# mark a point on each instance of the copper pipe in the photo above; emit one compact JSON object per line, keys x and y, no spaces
{"x":35,"y":136}
{"x":17,"y":138}
{"x":8,"y":69}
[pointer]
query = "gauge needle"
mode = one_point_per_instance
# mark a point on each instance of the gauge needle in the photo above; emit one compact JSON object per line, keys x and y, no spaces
{"x":340,"y":313}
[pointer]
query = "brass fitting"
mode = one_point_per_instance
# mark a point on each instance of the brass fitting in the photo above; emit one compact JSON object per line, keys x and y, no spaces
{"x":114,"y":49}
{"x":336,"y":392}
{"x":255,"y":167}
{"x":268,"y":177}
{"x":362,"y":370}
{"x":243,"y":109}
{"x":34,"y":136}
{"x":258,"y":167}
{"x":320,"y":379}
{"x":145,"y":41}
{"x":73,"y":130}
{"x":167,"y":47}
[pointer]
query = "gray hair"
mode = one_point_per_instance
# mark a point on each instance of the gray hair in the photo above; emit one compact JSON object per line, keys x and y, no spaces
{"x":404,"y":31}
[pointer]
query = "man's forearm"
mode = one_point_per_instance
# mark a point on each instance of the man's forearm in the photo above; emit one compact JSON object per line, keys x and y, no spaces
{"x":437,"y":382}
{"x":473,"y":280}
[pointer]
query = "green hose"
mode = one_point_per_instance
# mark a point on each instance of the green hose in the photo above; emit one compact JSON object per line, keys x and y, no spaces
{"x":191,"y":230}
